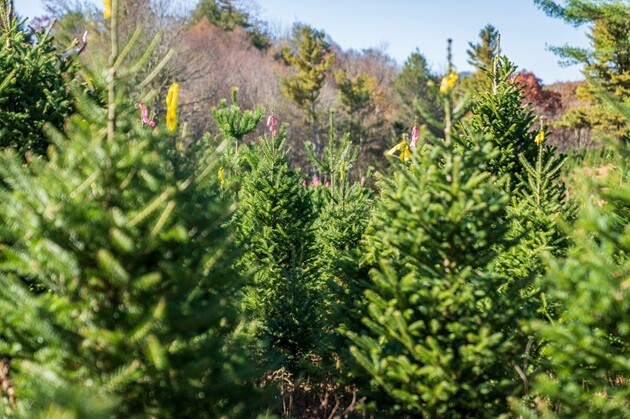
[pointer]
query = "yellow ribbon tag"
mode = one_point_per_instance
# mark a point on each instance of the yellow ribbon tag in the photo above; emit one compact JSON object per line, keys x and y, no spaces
{"x":403,"y":147}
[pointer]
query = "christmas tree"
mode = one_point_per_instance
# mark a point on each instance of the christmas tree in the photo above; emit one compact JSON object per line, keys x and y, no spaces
{"x":439,"y":334}
{"x":588,"y":343}
{"x":117,"y":270}
{"x":499,"y":114}
{"x":35,"y":87}
{"x":274,"y":223}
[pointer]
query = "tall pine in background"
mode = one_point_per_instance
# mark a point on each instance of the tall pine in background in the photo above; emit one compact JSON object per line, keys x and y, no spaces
{"x":359,"y":99}
{"x":117,"y":276}
{"x":482,"y":56}
{"x":419,"y":101}
{"x":311,"y":59}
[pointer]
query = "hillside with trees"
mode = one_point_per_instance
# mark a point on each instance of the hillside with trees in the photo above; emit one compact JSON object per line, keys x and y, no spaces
{"x":223,"y":44}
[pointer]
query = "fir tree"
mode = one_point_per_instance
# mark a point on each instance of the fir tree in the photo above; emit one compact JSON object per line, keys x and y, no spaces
{"x":540,"y":205}
{"x":274,"y":223}
{"x":122,"y":297}
{"x":499,"y":114}
{"x":538,"y":201}
{"x":438,"y":339}
{"x":117,"y":271}
{"x":439,"y":336}
{"x":35,"y":87}
{"x":419,"y":101}
{"x":343,"y":207}
{"x":588,"y":344}
{"x":359,"y":106}
{"x":233,"y":122}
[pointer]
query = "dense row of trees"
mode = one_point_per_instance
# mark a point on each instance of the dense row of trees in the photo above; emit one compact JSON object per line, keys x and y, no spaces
{"x":150,"y":270}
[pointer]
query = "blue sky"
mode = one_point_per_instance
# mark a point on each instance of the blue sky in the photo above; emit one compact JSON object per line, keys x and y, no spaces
{"x":404,"y":25}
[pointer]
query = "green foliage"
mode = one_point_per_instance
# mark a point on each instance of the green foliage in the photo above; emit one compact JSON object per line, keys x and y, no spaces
{"x":234,"y":123}
{"x":311,"y":58}
{"x":606,"y":63}
{"x":274,"y":223}
{"x":419,"y":101}
{"x":482,"y":56}
{"x":588,"y":345}
{"x":117,"y":272}
{"x":358,"y":99}
{"x":130,"y":267}
{"x":538,"y":207}
{"x":132,"y":259}
{"x":439,"y":332}
{"x":343,"y":208}
{"x":52,"y":397}
{"x":543,"y":192}
{"x":500,"y":116}
{"x":538,"y":201}
{"x":35,"y":89}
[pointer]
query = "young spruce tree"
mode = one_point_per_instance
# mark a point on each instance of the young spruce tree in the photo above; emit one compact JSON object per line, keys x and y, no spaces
{"x":538,"y":198}
{"x":343,"y":207}
{"x":537,"y":207}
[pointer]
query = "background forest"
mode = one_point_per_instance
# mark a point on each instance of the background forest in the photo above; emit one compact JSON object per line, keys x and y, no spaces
{"x":202,"y":218}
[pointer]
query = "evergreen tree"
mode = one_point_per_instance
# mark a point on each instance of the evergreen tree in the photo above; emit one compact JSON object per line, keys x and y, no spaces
{"x":274,"y":223}
{"x":588,"y":345}
{"x":543,"y":195}
{"x":311,"y":58}
{"x":538,"y":196}
{"x":481,"y":55}
{"x":117,"y":275}
{"x":538,"y":207}
{"x":358,"y":100}
{"x":419,"y":102}
{"x":233,"y":122}
{"x":343,"y":195}
{"x":499,"y":114}
{"x":606,"y":64}
{"x":343,"y":209}
{"x":35,"y":87}
{"x":538,"y":201}
{"x":129,"y":274}
{"x":440,"y":337}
